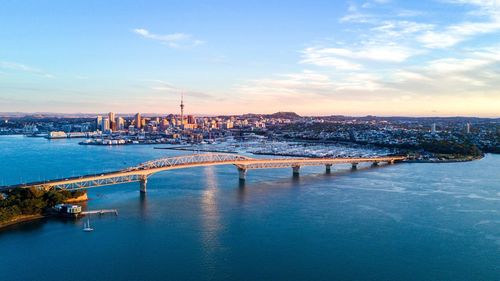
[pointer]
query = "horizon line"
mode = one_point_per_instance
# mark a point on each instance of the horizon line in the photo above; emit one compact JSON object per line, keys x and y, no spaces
{"x":7,"y":113}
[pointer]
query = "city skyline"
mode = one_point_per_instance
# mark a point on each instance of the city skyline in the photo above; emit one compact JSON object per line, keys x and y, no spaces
{"x":375,"y":57}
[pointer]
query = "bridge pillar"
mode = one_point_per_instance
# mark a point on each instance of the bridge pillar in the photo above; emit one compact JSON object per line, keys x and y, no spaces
{"x":375,"y":163}
{"x":390,"y":162}
{"x":296,"y":170}
{"x":354,"y":166}
{"x":242,"y":173}
{"x":143,"y":181}
{"x":328,"y":168}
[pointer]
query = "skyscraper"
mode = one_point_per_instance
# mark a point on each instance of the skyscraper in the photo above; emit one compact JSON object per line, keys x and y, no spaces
{"x":112,"y":121}
{"x":105,"y":125}
{"x":98,"y":122}
{"x":120,"y":123}
{"x":137,"y":121}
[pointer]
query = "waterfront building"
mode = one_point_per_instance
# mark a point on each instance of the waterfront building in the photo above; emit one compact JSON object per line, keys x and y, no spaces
{"x":68,"y":209}
{"x":57,"y":135}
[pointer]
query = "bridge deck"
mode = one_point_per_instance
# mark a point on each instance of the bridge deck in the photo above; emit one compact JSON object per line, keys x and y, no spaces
{"x":196,"y":160}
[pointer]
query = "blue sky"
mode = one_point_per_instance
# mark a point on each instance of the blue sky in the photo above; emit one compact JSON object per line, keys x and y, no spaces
{"x":383,"y":57}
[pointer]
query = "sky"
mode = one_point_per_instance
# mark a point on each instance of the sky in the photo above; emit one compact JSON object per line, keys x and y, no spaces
{"x":367,"y":57}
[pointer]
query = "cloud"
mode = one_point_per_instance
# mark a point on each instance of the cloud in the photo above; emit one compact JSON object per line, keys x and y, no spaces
{"x":326,"y":57}
{"x":290,"y":85}
{"x":455,"y":34}
{"x":486,"y":19}
{"x":331,"y":56}
{"x":24,"y":68}
{"x":170,"y":89}
{"x":174,"y":40}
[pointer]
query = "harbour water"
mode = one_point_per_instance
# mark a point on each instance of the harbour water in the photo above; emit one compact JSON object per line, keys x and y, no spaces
{"x":400,"y":222}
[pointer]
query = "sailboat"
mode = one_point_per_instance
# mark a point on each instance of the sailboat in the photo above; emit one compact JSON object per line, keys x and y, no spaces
{"x":86,"y":226}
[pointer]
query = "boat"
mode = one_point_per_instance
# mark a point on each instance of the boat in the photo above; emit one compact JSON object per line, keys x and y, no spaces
{"x":86,"y":226}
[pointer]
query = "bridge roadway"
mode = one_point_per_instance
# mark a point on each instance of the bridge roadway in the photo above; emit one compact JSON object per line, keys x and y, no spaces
{"x":141,"y":172}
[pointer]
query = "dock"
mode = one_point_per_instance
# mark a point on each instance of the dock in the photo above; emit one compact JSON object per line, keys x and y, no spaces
{"x":100,"y":212}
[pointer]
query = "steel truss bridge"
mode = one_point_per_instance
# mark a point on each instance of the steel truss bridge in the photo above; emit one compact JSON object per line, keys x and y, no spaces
{"x":141,"y":172}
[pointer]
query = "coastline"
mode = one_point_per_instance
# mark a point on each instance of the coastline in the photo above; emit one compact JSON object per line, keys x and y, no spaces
{"x":45,"y":214}
{"x":460,"y":160}
{"x":21,"y":219}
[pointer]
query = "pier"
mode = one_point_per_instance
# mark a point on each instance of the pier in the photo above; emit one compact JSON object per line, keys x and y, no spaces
{"x":101,"y":212}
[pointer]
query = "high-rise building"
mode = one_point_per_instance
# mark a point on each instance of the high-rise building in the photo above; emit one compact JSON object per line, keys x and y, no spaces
{"x":120,"y":123}
{"x":191,"y":119}
{"x":112,"y":121}
{"x":467,"y":128}
{"x":137,"y":120}
{"x":433,"y":128}
{"x":98,"y":122}
{"x":105,"y":125}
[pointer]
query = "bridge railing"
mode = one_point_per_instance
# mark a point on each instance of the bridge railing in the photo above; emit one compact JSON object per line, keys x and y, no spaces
{"x":190,"y":159}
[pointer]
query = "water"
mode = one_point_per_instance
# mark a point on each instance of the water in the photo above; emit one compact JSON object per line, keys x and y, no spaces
{"x":400,"y":222}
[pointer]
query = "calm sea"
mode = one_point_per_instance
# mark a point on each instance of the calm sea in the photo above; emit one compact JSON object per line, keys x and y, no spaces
{"x":400,"y":222}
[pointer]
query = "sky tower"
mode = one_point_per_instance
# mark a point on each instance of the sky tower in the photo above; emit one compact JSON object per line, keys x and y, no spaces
{"x":182,"y":108}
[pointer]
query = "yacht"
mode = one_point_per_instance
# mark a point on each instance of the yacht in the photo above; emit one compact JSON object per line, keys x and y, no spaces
{"x":86,"y":226}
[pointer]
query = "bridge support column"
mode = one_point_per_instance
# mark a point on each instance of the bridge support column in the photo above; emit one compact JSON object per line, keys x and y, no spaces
{"x":328,"y":168}
{"x":354,"y":166}
{"x":143,"y":181}
{"x":296,"y":170}
{"x":375,"y":164}
{"x":390,"y":162}
{"x":242,"y":173}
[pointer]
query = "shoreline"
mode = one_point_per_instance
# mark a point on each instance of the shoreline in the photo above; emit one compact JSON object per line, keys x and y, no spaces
{"x":20,"y":220}
{"x":444,"y":161}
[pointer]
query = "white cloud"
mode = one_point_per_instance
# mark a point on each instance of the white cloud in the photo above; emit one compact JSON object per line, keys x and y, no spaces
{"x":486,"y":19}
{"x":453,"y":65}
{"x":164,"y":87}
{"x":455,"y":34}
{"x":24,"y":68}
{"x":352,"y":58}
{"x":173,"y":40}
{"x":292,"y":85}
{"x":326,"y":57}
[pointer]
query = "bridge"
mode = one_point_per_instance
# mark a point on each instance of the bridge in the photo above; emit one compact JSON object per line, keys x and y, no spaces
{"x":141,"y":172}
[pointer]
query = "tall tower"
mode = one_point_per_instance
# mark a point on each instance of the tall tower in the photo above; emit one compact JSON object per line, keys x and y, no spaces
{"x":182,"y":108}
{"x":138,"y":120}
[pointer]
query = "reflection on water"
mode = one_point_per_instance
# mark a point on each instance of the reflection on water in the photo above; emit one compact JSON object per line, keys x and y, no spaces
{"x":241,"y":191}
{"x":143,"y":204}
{"x":399,"y":222}
{"x":210,"y":218}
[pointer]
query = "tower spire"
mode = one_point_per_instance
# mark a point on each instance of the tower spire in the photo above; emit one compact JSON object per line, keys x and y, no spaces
{"x":182,"y":108}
